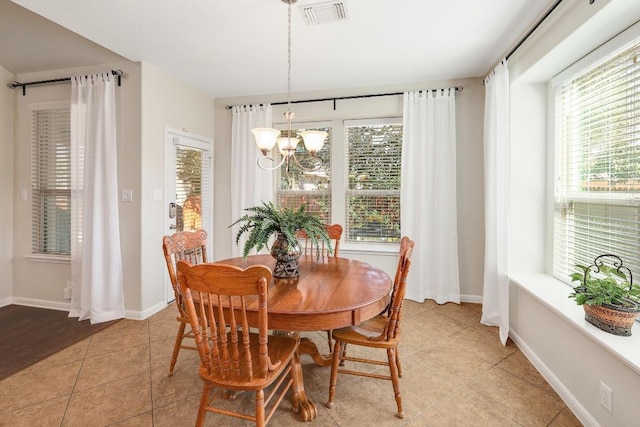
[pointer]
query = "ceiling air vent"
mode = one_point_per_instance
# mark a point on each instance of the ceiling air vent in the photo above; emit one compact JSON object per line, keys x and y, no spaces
{"x":321,"y":13}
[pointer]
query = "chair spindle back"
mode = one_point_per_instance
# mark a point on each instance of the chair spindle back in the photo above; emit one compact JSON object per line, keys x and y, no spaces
{"x":335,"y":233}
{"x":219,"y":317}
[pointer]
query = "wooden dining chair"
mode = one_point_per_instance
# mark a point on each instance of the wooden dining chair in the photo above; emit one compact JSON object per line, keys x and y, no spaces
{"x":190,"y":246}
{"x":383,"y":332}
{"x":335,"y":233}
{"x":233,"y":356}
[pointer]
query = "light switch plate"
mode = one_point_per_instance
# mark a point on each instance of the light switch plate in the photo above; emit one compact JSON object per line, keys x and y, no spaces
{"x":127,"y":195}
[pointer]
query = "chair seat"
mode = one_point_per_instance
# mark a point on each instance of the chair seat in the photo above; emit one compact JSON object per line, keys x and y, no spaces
{"x":365,"y":333}
{"x":281,"y":348}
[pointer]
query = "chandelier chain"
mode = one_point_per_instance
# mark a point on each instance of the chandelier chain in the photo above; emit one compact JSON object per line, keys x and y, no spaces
{"x":289,"y":114}
{"x":267,"y":138}
{"x":289,"y":58}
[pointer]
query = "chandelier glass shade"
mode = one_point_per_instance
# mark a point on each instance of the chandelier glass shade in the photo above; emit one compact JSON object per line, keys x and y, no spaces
{"x":267,"y":138}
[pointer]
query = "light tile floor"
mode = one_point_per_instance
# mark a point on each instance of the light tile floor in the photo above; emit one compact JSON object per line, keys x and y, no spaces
{"x":456,"y":373}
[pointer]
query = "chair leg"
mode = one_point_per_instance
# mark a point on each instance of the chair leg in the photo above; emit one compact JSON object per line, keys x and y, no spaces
{"x":204,"y":402}
{"x":176,"y":347}
{"x":330,"y":341}
{"x":260,"y":408}
{"x":393,"y":367}
{"x":335,"y":359}
{"x":398,"y":364}
{"x":343,"y":353}
{"x":295,"y":396}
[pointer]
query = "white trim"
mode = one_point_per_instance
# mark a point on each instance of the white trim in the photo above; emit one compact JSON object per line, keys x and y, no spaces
{"x":365,"y":248}
{"x":474,"y":299}
{"x":174,"y":137}
{"x":52,"y":105}
{"x":597,"y":55}
{"x":39,"y":303}
{"x":65,"y":306}
{"x":142,"y":315}
{"x":553,"y":294}
{"x":197,"y":141}
{"x":567,"y":397}
{"x":53,"y":259}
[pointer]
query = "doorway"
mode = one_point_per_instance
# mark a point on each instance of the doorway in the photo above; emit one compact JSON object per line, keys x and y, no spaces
{"x":189,"y":184}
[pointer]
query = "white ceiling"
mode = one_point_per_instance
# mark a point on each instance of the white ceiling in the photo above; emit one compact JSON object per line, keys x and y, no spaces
{"x":239,"y":47}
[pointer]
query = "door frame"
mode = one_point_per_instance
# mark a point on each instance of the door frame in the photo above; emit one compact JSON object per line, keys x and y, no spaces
{"x":189,"y":140}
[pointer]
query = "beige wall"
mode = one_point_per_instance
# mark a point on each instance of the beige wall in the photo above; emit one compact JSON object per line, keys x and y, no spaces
{"x":147,"y":102}
{"x":165,"y":103}
{"x":469,"y":118}
{"x":39,"y":282}
{"x":6,"y":184}
{"x":571,"y":356}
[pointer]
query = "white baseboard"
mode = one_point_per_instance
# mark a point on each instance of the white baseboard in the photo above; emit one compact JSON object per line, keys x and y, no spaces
{"x":65,"y":306}
{"x":583,"y":415}
{"x":141,"y":315}
{"x":38,"y":303}
{"x":476,"y":299}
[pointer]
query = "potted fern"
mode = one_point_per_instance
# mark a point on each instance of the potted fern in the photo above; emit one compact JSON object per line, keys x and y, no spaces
{"x":266,"y":221}
{"x":610,"y":299}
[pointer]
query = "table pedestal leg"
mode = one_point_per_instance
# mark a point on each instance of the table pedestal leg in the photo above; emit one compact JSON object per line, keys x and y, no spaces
{"x":309,"y":347}
{"x":307,"y":409}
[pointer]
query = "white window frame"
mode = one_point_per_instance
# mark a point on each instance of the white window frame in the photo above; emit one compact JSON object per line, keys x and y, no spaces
{"x":280,"y":170}
{"x":348,"y":192}
{"x":338,"y":178}
{"x":621,"y":199}
{"x":36,"y":254}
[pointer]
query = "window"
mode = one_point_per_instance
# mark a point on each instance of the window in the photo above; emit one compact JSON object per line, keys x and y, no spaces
{"x":597,"y":187}
{"x":51,"y":180}
{"x":374,"y":155}
{"x":189,"y":170}
{"x":361,"y":190}
{"x":311,"y":188}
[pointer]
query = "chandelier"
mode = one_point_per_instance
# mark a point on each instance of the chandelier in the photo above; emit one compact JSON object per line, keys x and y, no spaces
{"x":267,"y":138}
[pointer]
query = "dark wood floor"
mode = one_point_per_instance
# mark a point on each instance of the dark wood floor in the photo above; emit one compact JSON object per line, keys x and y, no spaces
{"x":30,"y":334}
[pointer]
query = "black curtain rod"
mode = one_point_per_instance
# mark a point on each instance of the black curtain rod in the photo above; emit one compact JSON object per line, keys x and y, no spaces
{"x":14,"y":85}
{"x":535,"y":27}
{"x":338,"y":98}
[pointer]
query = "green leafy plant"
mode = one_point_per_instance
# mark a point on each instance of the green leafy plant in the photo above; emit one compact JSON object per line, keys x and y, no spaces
{"x":604,"y":285}
{"x":265,"y":221}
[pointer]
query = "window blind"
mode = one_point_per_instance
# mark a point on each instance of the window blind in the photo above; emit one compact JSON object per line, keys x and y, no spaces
{"x":597,"y":143}
{"x":51,"y":181}
{"x":193,"y":169}
{"x":374,"y":157}
{"x":313,"y":189}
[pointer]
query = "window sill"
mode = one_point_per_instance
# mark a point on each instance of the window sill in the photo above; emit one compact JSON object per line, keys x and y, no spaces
{"x":53,"y":259}
{"x":370,"y":248}
{"x":554,"y":294}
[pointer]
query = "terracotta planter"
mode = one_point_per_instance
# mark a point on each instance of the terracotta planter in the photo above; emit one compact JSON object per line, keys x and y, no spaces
{"x":286,"y":256}
{"x":613,"y":319}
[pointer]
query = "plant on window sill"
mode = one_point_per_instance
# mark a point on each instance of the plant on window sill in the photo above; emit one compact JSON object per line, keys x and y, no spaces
{"x":610,"y":299}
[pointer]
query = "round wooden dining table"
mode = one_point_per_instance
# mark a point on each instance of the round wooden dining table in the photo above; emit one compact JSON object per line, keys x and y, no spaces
{"x":329,"y":293}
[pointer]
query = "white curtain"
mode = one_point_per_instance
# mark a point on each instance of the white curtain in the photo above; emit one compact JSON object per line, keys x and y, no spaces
{"x":250,"y":185}
{"x":428,"y":194}
{"x":495,"y":295}
{"x":96,"y":261}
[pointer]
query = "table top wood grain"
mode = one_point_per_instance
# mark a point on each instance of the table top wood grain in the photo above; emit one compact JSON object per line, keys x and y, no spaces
{"x":330,"y":293}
